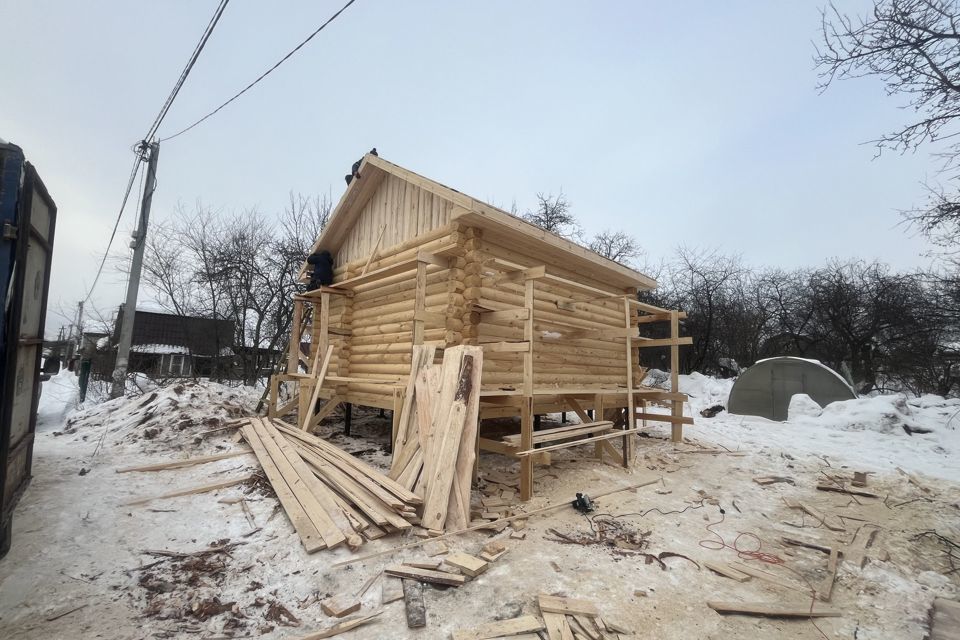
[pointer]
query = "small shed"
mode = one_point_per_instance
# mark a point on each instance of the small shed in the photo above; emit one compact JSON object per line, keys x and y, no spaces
{"x":765,"y":388}
{"x":418,"y":263}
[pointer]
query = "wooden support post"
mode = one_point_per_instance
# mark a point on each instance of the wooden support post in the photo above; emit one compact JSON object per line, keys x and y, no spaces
{"x":676,"y":429}
{"x":528,"y":336}
{"x":293,"y":347}
{"x":598,"y":411}
{"x":631,"y":421}
{"x":274,"y":396}
{"x":420,"y":302}
{"x":398,"y":396}
{"x":347,"y":418}
{"x":526,"y":443}
{"x":324,"y":336}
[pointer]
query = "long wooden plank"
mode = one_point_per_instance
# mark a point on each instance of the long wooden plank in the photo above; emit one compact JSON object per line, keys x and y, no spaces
{"x":353,"y":492}
{"x":309,"y":535}
{"x":347,"y":461}
{"x":562,"y":433}
{"x":317,"y":383}
{"x":445,"y":436}
{"x":324,"y":496}
{"x":342,"y":627}
{"x":191,"y":491}
{"x":771,"y":578}
{"x":557,"y":627}
{"x":458,"y":507}
{"x":188,"y":462}
{"x":501,"y":629}
{"x":295,"y":472}
{"x":726,"y":571}
{"x":773,"y":609}
{"x":614,"y":434}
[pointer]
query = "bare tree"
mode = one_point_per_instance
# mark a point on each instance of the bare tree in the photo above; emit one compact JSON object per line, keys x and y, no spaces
{"x":618,"y":246}
{"x":553,"y":214}
{"x":914,"y":47}
{"x":239,"y":267}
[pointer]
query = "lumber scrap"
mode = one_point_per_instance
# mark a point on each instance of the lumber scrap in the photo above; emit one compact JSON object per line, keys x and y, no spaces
{"x":188,"y":462}
{"x":557,"y":626}
{"x":193,"y":490}
{"x":726,"y":571}
{"x":806,"y":508}
{"x":774,"y":609}
{"x":487,"y":525}
{"x":340,"y":605}
{"x":413,"y":601}
{"x":501,"y":629}
{"x":855,"y":552}
{"x":469,"y":565}
{"x":391,"y":590}
{"x":825,"y":590}
{"x":770,"y":577}
{"x":425,"y":575}
{"x":841,"y":489}
{"x":342,"y":627}
{"x":566,"y":606}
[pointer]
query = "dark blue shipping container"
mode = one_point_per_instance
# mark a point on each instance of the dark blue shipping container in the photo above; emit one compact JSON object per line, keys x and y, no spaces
{"x":27,"y":221}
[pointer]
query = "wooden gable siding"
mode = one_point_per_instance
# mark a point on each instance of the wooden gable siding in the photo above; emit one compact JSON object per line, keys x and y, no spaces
{"x":405,"y":209}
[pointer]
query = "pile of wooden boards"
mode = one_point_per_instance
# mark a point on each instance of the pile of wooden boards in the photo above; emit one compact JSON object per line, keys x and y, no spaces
{"x":562,"y":619}
{"x":330,"y":496}
{"x":435,"y":447}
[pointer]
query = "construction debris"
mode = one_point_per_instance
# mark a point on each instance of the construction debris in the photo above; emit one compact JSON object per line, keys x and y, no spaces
{"x":773,"y":609}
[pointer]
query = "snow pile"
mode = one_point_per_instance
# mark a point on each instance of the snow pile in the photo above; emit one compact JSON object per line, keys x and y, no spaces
{"x":165,"y":413}
{"x":705,"y":391}
{"x":58,"y":396}
{"x":879,"y":432}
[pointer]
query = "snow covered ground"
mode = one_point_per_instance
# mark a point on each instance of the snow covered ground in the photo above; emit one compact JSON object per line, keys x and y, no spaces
{"x":80,"y":566}
{"x":877,"y":433}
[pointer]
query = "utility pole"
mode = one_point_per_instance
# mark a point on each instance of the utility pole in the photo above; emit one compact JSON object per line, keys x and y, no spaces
{"x":136,"y":265}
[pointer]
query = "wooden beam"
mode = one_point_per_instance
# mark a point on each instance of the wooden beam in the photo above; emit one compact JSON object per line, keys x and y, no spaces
{"x":187,"y":462}
{"x":191,"y":491}
{"x":506,"y":347}
{"x":318,"y":382}
{"x":647,"y":343}
{"x":293,"y":347}
{"x":376,"y":249}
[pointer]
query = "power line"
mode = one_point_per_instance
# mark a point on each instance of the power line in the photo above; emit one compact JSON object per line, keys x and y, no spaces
{"x":142,"y":147}
{"x":265,"y":73}
{"x":186,"y":70}
{"x":126,"y":195}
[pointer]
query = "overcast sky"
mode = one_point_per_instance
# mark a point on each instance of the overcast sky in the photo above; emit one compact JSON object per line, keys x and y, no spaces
{"x":681,"y":123}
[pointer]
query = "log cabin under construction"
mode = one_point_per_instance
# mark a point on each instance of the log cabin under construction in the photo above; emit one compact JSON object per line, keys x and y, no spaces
{"x":416,"y":262}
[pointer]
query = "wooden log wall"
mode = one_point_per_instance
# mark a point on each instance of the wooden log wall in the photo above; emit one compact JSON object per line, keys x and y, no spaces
{"x":558,"y":358}
{"x":380,"y":316}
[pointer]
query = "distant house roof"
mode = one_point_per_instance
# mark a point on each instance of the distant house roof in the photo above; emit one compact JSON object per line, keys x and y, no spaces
{"x":155,"y":332}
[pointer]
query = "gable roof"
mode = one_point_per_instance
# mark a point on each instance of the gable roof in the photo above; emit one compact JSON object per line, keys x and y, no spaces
{"x":470,"y":211}
{"x":199,"y":336}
